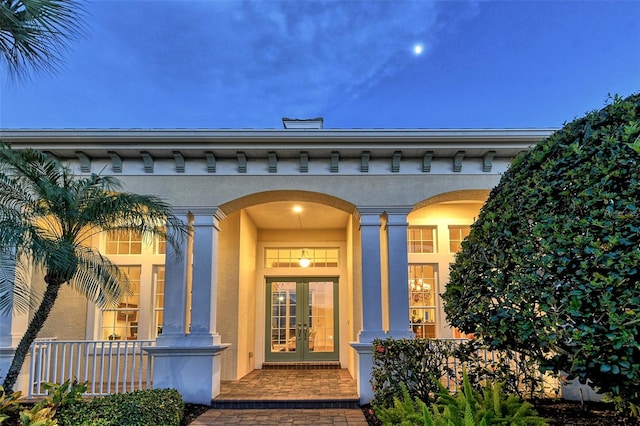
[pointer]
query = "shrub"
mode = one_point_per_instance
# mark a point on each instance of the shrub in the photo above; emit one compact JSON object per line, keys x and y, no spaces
{"x":9,"y":404}
{"x":143,"y":407}
{"x":518,"y":374}
{"x":467,"y":408}
{"x":412,"y":363}
{"x":420,"y":365}
{"x":551,"y":266}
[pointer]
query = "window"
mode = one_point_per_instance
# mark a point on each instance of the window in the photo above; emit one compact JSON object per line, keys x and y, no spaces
{"x":121,"y":323}
{"x":290,"y":257}
{"x":124,"y":242}
{"x":421,"y":239}
{"x":457,"y":233}
{"x":159,"y":245}
{"x":422,"y":299}
{"x":159,"y":300}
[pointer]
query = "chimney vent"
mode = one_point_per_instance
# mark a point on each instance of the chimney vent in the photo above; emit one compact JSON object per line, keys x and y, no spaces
{"x":309,"y":123}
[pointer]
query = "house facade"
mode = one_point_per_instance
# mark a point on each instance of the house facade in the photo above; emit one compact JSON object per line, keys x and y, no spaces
{"x":307,"y":243}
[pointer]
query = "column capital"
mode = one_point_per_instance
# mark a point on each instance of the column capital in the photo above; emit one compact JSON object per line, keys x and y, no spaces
{"x":370,"y":210}
{"x":368,"y":215}
{"x":398,"y":210}
{"x":200,"y":211}
{"x":207,"y":217}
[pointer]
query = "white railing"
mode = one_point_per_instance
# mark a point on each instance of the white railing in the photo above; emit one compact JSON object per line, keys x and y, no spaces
{"x":108,"y":366}
{"x":492,"y":359}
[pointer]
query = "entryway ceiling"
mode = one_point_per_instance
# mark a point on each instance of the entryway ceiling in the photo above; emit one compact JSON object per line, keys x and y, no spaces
{"x":280,"y":215}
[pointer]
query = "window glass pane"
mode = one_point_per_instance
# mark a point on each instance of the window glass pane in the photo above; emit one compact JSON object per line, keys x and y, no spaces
{"x":422,"y":299}
{"x":121,"y":323}
{"x":457,"y":233}
{"x":421,"y":239}
{"x":159,"y":300}
{"x":290,"y":257}
{"x":123,"y":242}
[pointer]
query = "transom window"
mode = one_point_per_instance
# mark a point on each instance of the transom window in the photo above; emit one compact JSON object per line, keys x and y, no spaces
{"x":124,"y":242}
{"x":457,"y":233}
{"x":421,"y":239}
{"x":290,"y":257}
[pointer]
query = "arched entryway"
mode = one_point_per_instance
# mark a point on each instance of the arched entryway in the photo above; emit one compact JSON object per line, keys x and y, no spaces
{"x":285,"y":311}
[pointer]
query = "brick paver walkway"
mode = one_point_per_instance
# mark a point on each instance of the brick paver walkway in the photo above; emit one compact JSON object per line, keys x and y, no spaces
{"x":324,"y":416}
{"x":287,"y":386}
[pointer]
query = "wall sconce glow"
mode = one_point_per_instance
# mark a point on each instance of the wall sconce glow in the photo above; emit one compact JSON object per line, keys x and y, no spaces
{"x":297,"y":209}
{"x":304,"y":259}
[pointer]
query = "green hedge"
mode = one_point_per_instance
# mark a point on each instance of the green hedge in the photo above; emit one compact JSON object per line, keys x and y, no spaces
{"x":139,"y":408}
{"x":419,"y":364}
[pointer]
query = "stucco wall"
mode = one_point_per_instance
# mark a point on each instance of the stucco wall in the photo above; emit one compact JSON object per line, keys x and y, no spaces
{"x":401,"y":190}
{"x":68,"y":318}
{"x":246,"y":295}
{"x":228,"y":295}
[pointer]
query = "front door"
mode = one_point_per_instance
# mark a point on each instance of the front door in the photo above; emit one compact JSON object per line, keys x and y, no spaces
{"x":302,"y":319}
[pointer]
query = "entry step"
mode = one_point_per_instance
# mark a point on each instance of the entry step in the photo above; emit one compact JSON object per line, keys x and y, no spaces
{"x":327,"y":365}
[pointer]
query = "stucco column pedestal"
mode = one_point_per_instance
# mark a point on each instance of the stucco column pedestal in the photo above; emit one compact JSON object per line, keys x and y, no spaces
{"x":365,"y":366}
{"x":12,"y":328}
{"x":193,"y":371}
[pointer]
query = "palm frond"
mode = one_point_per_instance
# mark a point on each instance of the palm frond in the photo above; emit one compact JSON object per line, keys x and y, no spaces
{"x":15,"y":289}
{"x":35,"y":33}
{"x":98,"y":279}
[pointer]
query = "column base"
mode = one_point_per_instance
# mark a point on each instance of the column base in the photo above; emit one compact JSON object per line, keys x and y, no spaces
{"x":193,"y":370}
{"x":365,"y":368}
{"x":6,"y":358}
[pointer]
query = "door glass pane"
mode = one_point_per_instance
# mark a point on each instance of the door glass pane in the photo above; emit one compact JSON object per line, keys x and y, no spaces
{"x":321,"y":326}
{"x":283,"y":316}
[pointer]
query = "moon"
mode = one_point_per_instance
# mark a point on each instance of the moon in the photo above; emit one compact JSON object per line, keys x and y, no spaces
{"x":417,"y":49}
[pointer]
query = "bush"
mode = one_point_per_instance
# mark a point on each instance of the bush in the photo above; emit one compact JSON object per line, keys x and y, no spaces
{"x":412,"y":363}
{"x":138,"y":408}
{"x":551,"y":266}
{"x":420,"y":365}
{"x":9,"y":404}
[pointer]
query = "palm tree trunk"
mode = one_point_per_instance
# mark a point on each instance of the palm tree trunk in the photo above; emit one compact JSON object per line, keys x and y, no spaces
{"x":35,"y":325}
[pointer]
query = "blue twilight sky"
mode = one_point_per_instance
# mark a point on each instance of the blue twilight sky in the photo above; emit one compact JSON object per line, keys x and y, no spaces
{"x":247,"y":64}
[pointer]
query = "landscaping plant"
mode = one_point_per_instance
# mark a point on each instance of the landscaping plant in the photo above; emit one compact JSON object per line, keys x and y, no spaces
{"x":420,"y":365}
{"x":143,"y":407}
{"x":47,"y":219}
{"x":467,"y":408}
{"x":409,"y":363}
{"x":551,"y":267}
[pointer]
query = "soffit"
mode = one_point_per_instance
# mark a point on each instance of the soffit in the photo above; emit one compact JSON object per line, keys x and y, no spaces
{"x":350,"y":143}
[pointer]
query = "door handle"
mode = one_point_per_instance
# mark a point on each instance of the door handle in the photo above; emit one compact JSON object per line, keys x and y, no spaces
{"x":299,"y":330}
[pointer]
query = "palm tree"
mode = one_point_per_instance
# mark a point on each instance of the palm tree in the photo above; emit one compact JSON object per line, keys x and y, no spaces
{"x":47,"y":219}
{"x":34,"y":33}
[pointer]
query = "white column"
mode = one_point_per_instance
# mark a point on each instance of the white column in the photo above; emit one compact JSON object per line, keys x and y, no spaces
{"x":371,"y":275}
{"x":175,"y":293}
{"x":7,"y":348}
{"x":371,"y":298}
{"x":13,"y":325}
{"x":398,"y":273}
{"x":191,"y":363}
{"x":206,"y":226}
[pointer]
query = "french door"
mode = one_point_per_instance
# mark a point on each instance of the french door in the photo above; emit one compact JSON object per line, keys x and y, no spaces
{"x":302,"y":319}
